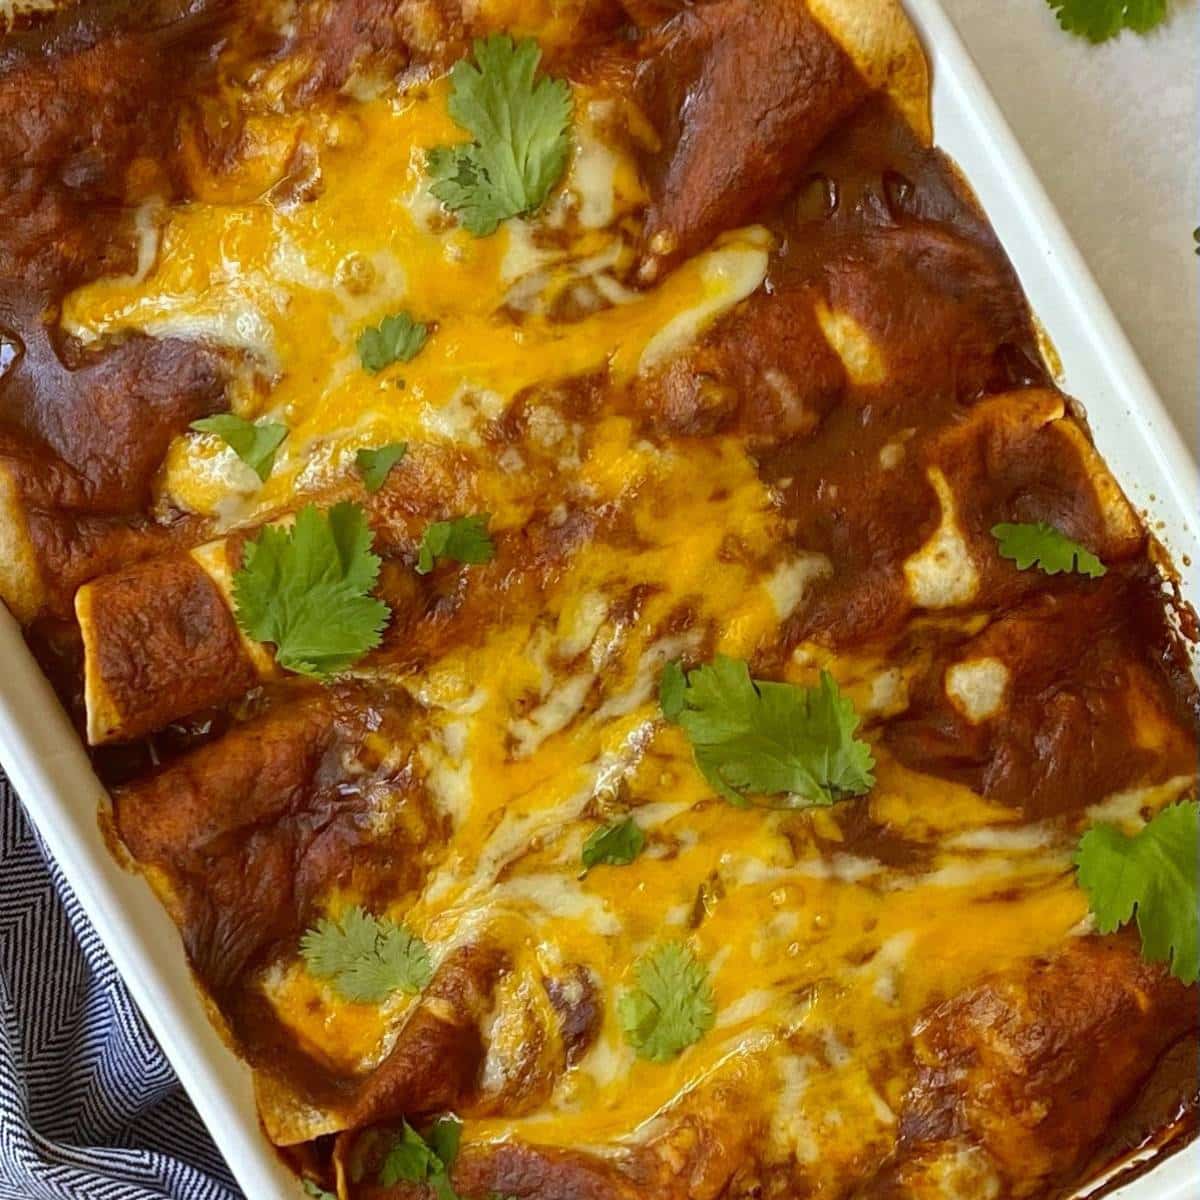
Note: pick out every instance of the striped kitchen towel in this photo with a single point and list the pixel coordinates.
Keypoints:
(89, 1106)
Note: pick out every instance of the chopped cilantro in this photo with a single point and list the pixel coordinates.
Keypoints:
(464, 539)
(1099, 20)
(616, 845)
(1155, 876)
(1053, 552)
(307, 589)
(672, 691)
(366, 958)
(374, 465)
(671, 1005)
(752, 737)
(397, 338)
(413, 1159)
(254, 442)
(520, 131)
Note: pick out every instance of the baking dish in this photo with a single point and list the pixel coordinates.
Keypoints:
(1131, 430)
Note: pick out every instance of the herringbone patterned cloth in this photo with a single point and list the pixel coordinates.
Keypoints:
(89, 1106)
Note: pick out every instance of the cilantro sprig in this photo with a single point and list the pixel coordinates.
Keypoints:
(374, 464)
(254, 442)
(520, 130)
(414, 1159)
(366, 958)
(307, 590)
(671, 1005)
(463, 539)
(397, 338)
(1099, 20)
(751, 737)
(1046, 547)
(1154, 877)
(615, 845)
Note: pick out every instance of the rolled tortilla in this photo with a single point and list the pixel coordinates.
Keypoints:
(742, 92)
(881, 42)
(161, 642)
(21, 586)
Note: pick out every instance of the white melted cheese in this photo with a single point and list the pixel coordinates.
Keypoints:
(592, 179)
(942, 573)
(860, 356)
(561, 707)
(790, 581)
(730, 273)
(1129, 809)
(559, 896)
(976, 687)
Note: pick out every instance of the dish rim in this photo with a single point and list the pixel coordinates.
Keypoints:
(48, 766)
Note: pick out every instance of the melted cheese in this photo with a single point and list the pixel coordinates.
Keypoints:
(942, 574)
(821, 959)
(292, 286)
(976, 687)
(852, 344)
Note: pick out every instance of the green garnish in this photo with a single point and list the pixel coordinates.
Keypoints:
(755, 738)
(671, 1006)
(1154, 875)
(314, 1189)
(464, 539)
(413, 1159)
(397, 338)
(672, 691)
(1099, 20)
(374, 465)
(615, 845)
(254, 442)
(1043, 545)
(520, 131)
(307, 589)
(366, 958)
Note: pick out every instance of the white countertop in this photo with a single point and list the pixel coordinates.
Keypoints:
(1114, 133)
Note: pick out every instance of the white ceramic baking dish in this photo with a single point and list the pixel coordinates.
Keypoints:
(48, 766)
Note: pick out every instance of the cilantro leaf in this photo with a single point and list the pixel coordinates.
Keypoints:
(751, 737)
(253, 442)
(366, 958)
(307, 590)
(375, 464)
(1156, 875)
(408, 1160)
(672, 690)
(314, 1189)
(617, 844)
(412, 1159)
(465, 539)
(520, 131)
(1099, 20)
(1052, 551)
(672, 1005)
(397, 338)
(445, 1137)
